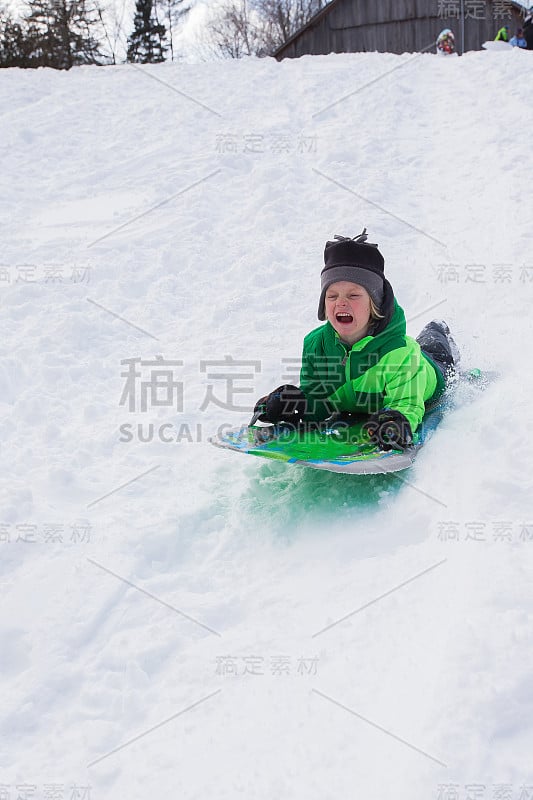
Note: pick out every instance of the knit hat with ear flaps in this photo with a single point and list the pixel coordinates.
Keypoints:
(352, 260)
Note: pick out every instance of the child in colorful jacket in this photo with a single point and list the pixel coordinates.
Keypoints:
(503, 34)
(360, 363)
(518, 39)
(446, 42)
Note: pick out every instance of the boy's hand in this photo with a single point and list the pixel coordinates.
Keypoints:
(389, 430)
(287, 403)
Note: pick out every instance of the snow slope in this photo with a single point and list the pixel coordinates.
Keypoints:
(166, 606)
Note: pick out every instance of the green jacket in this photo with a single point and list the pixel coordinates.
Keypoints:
(384, 370)
(502, 35)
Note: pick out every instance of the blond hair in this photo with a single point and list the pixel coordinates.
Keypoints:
(374, 312)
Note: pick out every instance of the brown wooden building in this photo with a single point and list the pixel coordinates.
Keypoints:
(399, 26)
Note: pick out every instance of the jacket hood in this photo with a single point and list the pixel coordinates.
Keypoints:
(387, 309)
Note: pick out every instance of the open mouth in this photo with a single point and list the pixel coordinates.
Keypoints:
(344, 318)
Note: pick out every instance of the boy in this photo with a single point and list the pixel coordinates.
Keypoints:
(360, 362)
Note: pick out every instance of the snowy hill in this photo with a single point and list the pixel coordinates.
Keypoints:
(182, 622)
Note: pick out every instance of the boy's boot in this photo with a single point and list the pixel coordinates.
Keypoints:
(437, 342)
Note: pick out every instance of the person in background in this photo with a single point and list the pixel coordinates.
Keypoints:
(446, 42)
(528, 29)
(518, 39)
(503, 34)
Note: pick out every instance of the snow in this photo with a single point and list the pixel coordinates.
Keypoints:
(181, 211)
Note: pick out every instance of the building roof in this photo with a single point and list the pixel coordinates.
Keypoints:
(327, 8)
(314, 19)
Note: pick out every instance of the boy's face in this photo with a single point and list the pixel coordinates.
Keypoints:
(348, 310)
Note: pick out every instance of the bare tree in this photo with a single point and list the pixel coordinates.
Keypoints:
(15, 50)
(282, 18)
(257, 27)
(173, 11)
(231, 31)
(114, 39)
(289, 15)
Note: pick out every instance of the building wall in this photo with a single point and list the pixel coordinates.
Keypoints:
(395, 26)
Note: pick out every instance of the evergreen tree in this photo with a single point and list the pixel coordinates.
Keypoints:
(63, 33)
(146, 45)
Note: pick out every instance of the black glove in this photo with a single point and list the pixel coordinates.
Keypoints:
(389, 430)
(285, 404)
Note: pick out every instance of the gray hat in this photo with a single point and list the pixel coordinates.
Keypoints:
(356, 261)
